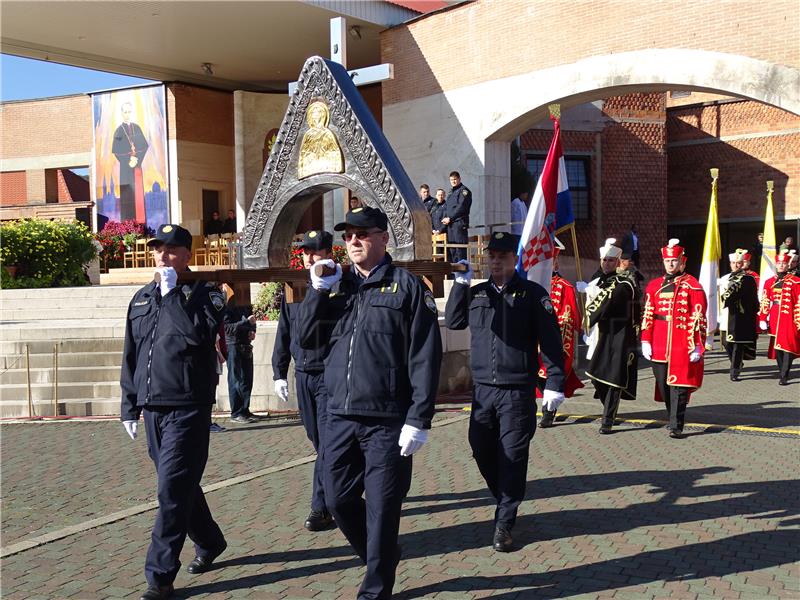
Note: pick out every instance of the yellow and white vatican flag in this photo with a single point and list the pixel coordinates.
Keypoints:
(709, 269)
(769, 246)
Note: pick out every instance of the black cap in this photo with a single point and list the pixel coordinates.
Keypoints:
(625, 255)
(172, 235)
(505, 242)
(365, 217)
(316, 240)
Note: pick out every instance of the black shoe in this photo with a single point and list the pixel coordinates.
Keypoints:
(318, 520)
(734, 375)
(201, 565)
(257, 417)
(548, 416)
(783, 381)
(605, 428)
(502, 541)
(158, 592)
(676, 434)
(242, 419)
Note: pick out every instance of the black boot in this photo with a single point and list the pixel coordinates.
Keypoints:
(548, 416)
(502, 541)
(157, 592)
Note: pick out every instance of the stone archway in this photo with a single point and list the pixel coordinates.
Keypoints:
(361, 159)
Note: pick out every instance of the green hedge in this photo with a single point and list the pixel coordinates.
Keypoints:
(45, 253)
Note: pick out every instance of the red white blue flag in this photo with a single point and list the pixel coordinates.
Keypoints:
(550, 212)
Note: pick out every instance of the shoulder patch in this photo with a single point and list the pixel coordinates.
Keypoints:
(464, 193)
(430, 302)
(217, 299)
(548, 306)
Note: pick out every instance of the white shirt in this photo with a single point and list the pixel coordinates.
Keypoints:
(519, 212)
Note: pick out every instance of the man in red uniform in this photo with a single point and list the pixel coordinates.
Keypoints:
(780, 315)
(565, 305)
(746, 258)
(674, 333)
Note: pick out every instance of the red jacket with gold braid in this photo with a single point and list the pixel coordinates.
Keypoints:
(674, 324)
(565, 304)
(780, 307)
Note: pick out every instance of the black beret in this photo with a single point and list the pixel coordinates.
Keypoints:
(505, 242)
(364, 217)
(316, 240)
(172, 235)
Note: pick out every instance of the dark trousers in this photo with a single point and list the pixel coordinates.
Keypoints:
(609, 396)
(784, 362)
(735, 352)
(177, 441)
(501, 427)
(312, 400)
(676, 398)
(362, 458)
(240, 378)
(457, 234)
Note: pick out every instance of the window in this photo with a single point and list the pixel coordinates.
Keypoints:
(577, 179)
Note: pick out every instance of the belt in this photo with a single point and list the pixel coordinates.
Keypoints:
(662, 317)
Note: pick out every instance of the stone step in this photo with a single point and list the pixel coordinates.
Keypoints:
(60, 302)
(64, 312)
(11, 350)
(18, 392)
(65, 359)
(72, 408)
(70, 293)
(80, 374)
(64, 329)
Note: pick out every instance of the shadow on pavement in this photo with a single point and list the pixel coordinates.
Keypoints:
(767, 413)
(734, 554)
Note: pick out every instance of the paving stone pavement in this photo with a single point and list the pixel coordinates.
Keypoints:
(630, 515)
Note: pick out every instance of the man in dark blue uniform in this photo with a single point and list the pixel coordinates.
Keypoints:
(240, 331)
(510, 320)
(381, 372)
(169, 374)
(456, 217)
(311, 393)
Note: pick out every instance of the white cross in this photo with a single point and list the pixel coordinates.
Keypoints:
(365, 76)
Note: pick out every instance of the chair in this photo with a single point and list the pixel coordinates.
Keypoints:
(199, 254)
(477, 255)
(142, 257)
(439, 241)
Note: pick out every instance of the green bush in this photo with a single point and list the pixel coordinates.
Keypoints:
(46, 253)
(267, 303)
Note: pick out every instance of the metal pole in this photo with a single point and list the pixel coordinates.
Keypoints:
(28, 368)
(55, 380)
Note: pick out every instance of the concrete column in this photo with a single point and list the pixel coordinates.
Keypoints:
(36, 187)
(241, 200)
(496, 185)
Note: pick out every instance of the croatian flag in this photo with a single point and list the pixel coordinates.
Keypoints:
(549, 213)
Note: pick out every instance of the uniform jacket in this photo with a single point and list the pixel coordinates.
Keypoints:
(740, 298)
(385, 348)
(437, 214)
(674, 324)
(457, 207)
(565, 305)
(616, 311)
(780, 308)
(287, 346)
(169, 356)
(507, 329)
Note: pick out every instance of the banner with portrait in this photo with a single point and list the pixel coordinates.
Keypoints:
(129, 166)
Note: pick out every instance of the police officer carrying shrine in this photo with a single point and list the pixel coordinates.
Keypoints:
(510, 320)
(381, 373)
(309, 378)
(169, 375)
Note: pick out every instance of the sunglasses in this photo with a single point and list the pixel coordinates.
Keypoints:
(361, 234)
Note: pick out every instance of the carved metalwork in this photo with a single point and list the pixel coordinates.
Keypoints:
(370, 168)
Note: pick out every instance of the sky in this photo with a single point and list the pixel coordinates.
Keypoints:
(24, 78)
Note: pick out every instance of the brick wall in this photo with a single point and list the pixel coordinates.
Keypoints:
(766, 146)
(13, 189)
(46, 127)
(72, 187)
(492, 39)
(201, 115)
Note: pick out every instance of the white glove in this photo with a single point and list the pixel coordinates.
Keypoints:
(762, 325)
(581, 286)
(325, 282)
(551, 400)
(167, 279)
(411, 439)
(282, 389)
(696, 354)
(466, 277)
(130, 428)
(592, 290)
(647, 350)
(587, 339)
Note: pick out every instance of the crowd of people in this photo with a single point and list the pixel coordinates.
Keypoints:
(367, 351)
